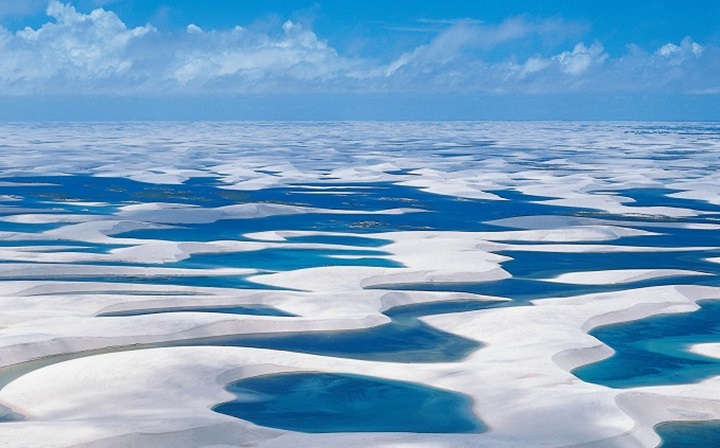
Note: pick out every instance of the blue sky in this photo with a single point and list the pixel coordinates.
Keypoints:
(396, 59)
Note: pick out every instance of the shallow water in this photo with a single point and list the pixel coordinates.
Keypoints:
(330, 402)
(409, 341)
(405, 339)
(653, 351)
(284, 259)
(8, 415)
(689, 434)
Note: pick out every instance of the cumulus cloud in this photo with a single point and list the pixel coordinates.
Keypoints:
(96, 53)
(679, 54)
(581, 58)
(241, 53)
(686, 67)
(76, 48)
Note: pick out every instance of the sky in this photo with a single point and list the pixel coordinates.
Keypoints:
(342, 59)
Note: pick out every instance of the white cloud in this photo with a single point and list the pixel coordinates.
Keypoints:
(685, 68)
(533, 65)
(76, 47)
(469, 36)
(192, 28)
(686, 48)
(96, 53)
(244, 60)
(668, 50)
(581, 58)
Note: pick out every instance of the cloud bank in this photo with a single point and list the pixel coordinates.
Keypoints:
(96, 53)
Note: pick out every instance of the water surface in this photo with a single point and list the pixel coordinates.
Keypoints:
(654, 351)
(689, 434)
(331, 402)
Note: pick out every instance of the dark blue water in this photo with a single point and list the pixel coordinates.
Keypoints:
(411, 342)
(658, 197)
(536, 265)
(28, 227)
(60, 245)
(199, 280)
(689, 434)
(404, 339)
(434, 308)
(439, 213)
(331, 402)
(62, 191)
(527, 267)
(674, 237)
(671, 230)
(54, 194)
(252, 310)
(523, 290)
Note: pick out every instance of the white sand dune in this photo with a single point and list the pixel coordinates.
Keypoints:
(83, 380)
(613, 277)
(550, 339)
(537, 400)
